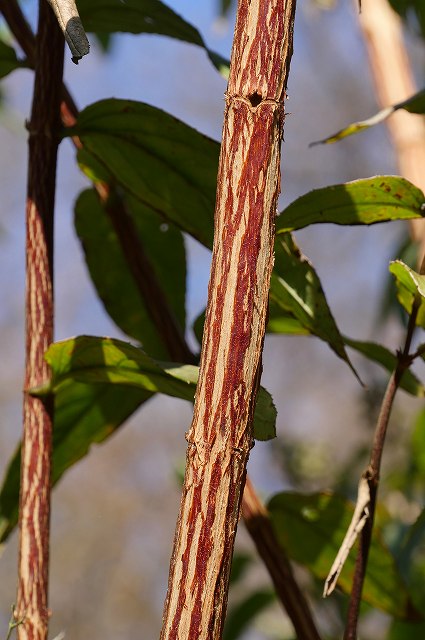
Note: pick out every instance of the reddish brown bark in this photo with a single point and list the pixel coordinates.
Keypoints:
(220, 436)
(258, 523)
(32, 603)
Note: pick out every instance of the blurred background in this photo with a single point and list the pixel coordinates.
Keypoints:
(114, 513)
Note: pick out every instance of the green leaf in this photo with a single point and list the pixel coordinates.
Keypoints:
(84, 414)
(164, 260)
(162, 162)
(388, 360)
(295, 288)
(414, 104)
(311, 528)
(241, 616)
(281, 321)
(143, 16)
(368, 201)
(92, 360)
(410, 287)
(9, 60)
(240, 565)
(406, 630)
(98, 383)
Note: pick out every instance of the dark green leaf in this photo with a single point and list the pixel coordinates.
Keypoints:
(369, 201)
(410, 287)
(241, 615)
(281, 321)
(166, 165)
(164, 261)
(84, 414)
(383, 356)
(9, 60)
(295, 288)
(98, 383)
(142, 16)
(414, 104)
(414, 538)
(240, 564)
(311, 528)
(92, 360)
(406, 630)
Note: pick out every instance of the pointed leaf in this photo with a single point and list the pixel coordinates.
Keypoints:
(142, 16)
(414, 104)
(168, 166)
(410, 287)
(164, 255)
(9, 60)
(84, 414)
(311, 529)
(369, 201)
(295, 288)
(92, 360)
(387, 359)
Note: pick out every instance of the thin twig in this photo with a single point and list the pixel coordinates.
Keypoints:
(257, 522)
(372, 476)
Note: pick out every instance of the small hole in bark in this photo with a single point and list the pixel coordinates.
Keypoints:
(255, 99)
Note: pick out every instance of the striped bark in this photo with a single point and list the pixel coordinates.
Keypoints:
(32, 599)
(220, 436)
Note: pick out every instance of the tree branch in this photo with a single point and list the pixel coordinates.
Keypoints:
(34, 509)
(372, 476)
(258, 524)
(221, 432)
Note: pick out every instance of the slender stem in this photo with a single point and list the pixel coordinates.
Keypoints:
(372, 475)
(258, 524)
(38, 414)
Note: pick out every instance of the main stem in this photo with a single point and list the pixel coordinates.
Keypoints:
(220, 436)
(32, 599)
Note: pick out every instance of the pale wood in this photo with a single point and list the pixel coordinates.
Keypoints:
(220, 436)
(394, 82)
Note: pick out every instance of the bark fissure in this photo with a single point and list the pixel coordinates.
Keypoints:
(220, 436)
(32, 598)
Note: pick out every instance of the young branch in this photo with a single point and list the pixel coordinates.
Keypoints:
(220, 436)
(34, 510)
(258, 524)
(371, 475)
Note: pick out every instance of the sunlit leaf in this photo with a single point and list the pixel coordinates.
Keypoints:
(84, 414)
(368, 201)
(160, 251)
(388, 360)
(414, 104)
(410, 287)
(162, 162)
(143, 16)
(311, 529)
(296, 288)
(92, 360)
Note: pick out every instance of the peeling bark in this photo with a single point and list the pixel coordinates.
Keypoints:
(220, 436)
(32, 599)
